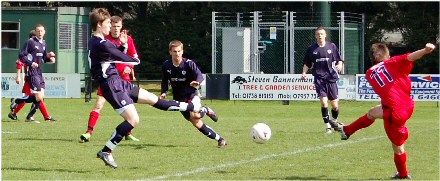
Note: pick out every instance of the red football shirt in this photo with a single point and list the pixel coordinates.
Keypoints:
(131, 51)
(19, 64)
(390, 80)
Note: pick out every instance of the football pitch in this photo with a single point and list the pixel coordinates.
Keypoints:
(170, 148)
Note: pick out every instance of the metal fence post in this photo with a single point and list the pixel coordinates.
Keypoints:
(342, 39)
(254, 47)
(214, 44)
(88, 88)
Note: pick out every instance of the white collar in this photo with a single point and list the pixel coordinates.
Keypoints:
(39, 40)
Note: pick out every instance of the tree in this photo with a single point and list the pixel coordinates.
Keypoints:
(418, 26)
(154, 24)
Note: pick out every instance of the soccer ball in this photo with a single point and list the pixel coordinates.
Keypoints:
(261, 133)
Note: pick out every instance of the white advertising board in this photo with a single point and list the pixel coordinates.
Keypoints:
(347, 87)
(271, 87)
(57, 85)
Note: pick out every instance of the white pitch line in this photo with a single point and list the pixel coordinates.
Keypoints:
(265, 157)
(9, 132)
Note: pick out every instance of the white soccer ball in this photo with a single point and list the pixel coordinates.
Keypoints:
(261, 133)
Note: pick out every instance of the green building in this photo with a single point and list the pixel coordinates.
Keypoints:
(67, 34)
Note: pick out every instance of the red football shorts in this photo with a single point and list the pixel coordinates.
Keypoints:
(395, 124)
(99, 91)
(27, 88)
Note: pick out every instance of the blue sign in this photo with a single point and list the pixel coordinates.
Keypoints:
(425, 87)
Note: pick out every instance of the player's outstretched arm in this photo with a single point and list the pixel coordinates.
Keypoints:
(116, 54)
(429, 47)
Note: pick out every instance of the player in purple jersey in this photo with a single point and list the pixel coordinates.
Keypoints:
(120, 94)
(326, 62)
(185, 77)
(33, 54)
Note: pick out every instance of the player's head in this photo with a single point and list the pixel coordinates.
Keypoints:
(125, 29)
(378, 53)
(175, 49)
(100, 20)
(40, 31)
(320, 34)
(32, 34)
(115, 30)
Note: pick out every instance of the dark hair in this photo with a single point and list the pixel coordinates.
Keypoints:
(32, 34)
(125, 28)
(98, 15)
(378, 53)
(320, 28)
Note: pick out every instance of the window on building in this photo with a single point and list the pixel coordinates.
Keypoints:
(65, 36)
(82, 36)
(10, 35)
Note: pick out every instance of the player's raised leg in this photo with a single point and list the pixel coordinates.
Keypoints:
(142, 96)
(209, 112)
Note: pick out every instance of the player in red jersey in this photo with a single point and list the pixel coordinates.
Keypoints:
(389, 78)
(117, 35)
(27, 91)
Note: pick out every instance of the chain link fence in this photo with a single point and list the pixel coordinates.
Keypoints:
(275, 42)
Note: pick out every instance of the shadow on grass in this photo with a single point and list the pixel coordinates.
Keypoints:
(45, 170)
(143, 146)
(322, 177)
(42, 139)
(10, 121)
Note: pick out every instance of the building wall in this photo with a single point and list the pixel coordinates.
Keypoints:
(67, 32)
(27, 19)
(75, 59)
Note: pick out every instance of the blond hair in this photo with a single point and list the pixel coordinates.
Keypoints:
(175, 43)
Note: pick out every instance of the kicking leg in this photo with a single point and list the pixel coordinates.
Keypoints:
(142, 96)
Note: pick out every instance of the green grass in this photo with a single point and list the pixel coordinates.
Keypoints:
(172, 149)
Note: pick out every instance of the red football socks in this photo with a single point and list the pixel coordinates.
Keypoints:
(93, 119)
(360, 123)
(44, 110)
(18, 108)
(400, 162)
